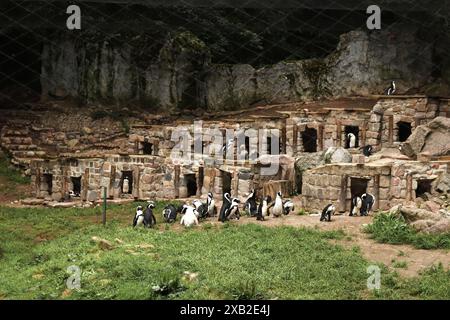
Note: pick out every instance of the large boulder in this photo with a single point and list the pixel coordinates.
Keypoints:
(337, 155)
(432, 139)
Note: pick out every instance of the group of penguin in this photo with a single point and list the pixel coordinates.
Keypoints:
(199, 210)
(360, 205)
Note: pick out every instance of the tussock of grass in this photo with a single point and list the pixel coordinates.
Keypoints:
(390, 228)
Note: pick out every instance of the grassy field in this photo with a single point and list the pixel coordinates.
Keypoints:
(246, 261)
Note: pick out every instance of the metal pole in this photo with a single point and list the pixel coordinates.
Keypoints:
(104, 205)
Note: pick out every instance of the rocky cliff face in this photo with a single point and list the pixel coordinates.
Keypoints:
(182, 75)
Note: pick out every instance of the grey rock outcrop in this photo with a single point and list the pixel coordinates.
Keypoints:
(432, 138)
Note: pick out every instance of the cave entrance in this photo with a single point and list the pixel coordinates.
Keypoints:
(358, 186)
(354, 130)
(147, 148)
(309, 140)
(47, 183)
(20, 58)
(404, 130)
(191, 184)
(299, 182)
(76, 186)
(247, 148)
(126, 182)
(423, 187)
(226, 182)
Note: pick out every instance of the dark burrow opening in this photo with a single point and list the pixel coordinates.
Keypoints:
(423, 187)
(309, 140)
(47, 178)
(226, 182)
(147, 148)
(76, 185)
(404, 130)
(191, 184)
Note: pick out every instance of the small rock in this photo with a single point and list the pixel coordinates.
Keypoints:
(102, 243)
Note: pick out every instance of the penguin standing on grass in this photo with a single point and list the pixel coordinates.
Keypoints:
(263, 209)
(278, 209)
(139, 217)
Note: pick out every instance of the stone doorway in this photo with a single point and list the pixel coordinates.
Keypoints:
(191, 184)
(126, 182)
(355, 131)
(404, 130)
(309, 140)
(76, 186)
(226, 182)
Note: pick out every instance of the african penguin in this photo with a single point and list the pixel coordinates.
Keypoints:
(327, 212)
(367, 150)
(351, 140)
(170, 213)
(263, 208)
(356, 206)
(201, 209)
(149, 217)
(139, 217)
(391, 89)
(288, 206)
(368, 200)
(211, 204)
(278, 206)
(189, 218)
(251, 205)
(225, 206)
(233, 211)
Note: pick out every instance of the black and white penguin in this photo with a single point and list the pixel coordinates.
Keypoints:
(226, 203)
(288, 206)
(367, 150)
(251, 205)
(356, 206)
(211, 204)
(368, 200)
(327, 212)
(227, 148)
(351, 138)
(189, 217)
(149, 217)
(138, 217)
(170, 213)
(233, 211)
(263, 208)
(391, 89)
(201, 209)
(278, 209)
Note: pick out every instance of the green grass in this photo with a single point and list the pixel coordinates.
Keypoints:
(9, 174)
(246, 261)
(390, 228)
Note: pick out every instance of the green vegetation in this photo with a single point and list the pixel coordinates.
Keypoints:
(11, 179)
(230, 261)
(391, 228)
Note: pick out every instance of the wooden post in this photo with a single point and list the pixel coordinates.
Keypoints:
(104, 206)
(112, 180)
(391, 130)
(37, 183)
(136, 176)
(339, 133)
(362, 143)
(176, 181)
(320, 137)
(409, 189)
(235, 182)
(343, 194)
(85, 185)
(376, 191)
(200, 177)
(283, 138)
(295, 138)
